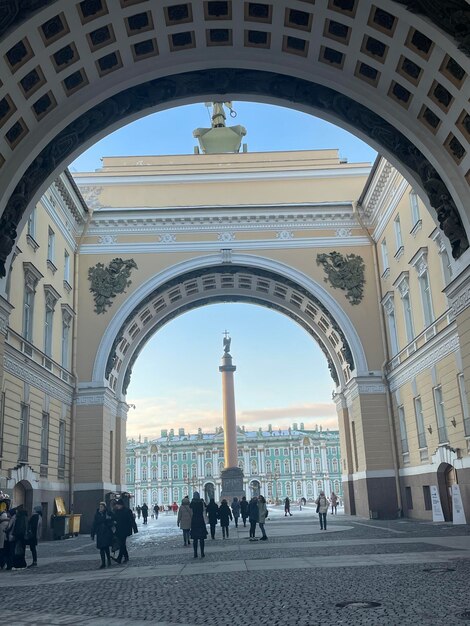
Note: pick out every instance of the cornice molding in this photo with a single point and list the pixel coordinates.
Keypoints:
(363, 386)
(101, 397)
(458, 292)
(32, 374)
(212, 246)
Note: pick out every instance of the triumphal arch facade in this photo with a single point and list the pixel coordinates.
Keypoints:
(394, 73)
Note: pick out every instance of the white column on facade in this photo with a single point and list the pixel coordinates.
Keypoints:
(324, 458)
(215, 460)
(302, 459)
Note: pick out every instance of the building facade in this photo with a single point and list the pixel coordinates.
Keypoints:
(289, 463)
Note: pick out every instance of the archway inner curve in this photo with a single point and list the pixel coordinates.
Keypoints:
(229, 283)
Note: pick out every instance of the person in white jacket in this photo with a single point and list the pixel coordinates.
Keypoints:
(322, 503)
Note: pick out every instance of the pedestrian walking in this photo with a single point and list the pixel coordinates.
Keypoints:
(185, 515)
(145, 512)
(244, 509)
(102, 529)
(262, 515)
(212, 511)
(34, 533)
(236, 511)
(156, 510)
(225, 516)
(174, 508)
(334, 503)
(198, 524)
(125, 526)
(138, 509)
(17, 529)
(287, 507)
(323, 504)
(253, 516)
(4, 521)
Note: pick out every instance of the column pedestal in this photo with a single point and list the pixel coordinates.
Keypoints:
(232, 484)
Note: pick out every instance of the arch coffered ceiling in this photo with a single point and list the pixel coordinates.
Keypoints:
(71, 71)
(210, 280)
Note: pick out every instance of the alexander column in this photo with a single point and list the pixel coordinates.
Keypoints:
(232, 475)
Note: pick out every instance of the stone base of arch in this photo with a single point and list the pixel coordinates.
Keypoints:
(100, 441)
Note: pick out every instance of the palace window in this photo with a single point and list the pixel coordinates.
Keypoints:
(220, 453)
(208, 469)
(154, 458)
(253, 452)
(288, 489)
(286, 451)
(208, 454)
(154, 496)
(269, 466)
(415, 217)
(270, 490)
(296, 451)
(276, 451)
(240, 452)
(154, 473)
(298, 488)
(398, 237)
(66, 325)
(175, 456)
(45, 439)
(165, 472)
(383, 247)
(286, 466)
(23, 429)
(193, 470)
(420, 423)
(31, 279)
(175, 472)
(254, 467)
(277, 466)
(403, 434)
(334, 465)
(32, 223)
(193, 456)
(144, 473)
(165, 495)
(317, 465)
(297, 466)
(183, 456)
(50, 245)
(144, 458)
(185, 472)
(308, 466)
(440, 415)
(389, 307)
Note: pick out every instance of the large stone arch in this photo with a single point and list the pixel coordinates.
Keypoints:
(206, 280)
(74, 71)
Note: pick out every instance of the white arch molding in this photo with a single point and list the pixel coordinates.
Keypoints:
(245, 260)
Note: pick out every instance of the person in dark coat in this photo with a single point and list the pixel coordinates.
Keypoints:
(17, 529)
(125, 526)
(244, 509)
(156, 510)
(198, 524)
(287, 507)
(145, 512)
(103, 530)
(35, 529)
(236, 511)
(253, 516)
(212, 510)
(225, 516)
(138, 511)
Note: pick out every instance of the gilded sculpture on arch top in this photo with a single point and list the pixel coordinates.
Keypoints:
(344, 272)
(108, 281)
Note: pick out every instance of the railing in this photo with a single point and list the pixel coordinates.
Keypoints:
(23, 454)
(22, 345)
(440, 324)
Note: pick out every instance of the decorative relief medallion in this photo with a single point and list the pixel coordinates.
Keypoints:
(107, 282)
(285, 234)
(166, 238)
(105, 240)
(344, 272)
(226, 237)
(91, 195)
(343, 232)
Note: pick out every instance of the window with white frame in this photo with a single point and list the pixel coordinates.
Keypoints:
(154, 496)
(286, 466)
(154, 458)
(270, 490)
(61, 462)
(277, 466)
(165, 472)
(193, 456)
(144, 473)
(298, 488)
(176, 494)
(51, 297)
(420, 263)
(464, 404)
(385, 262)
(185, 472)
(253, 452)
(440, 414)
(175, 472)
(154, 473)
(403, 433)
(309, 489)
(317, 465)
(50, 245)
(254, 467)
(165, 495)
(269, 467)
(297, 466)
(288, 489)
(397, 229)
(208, 469)
(308, 466)
(415, 217)
(286, 451)
(23, 432)
(66, 266)
(276, 451)
(389, 307)
(31, 279)
(66, 326)
(45, 438)
(208, 454)
(193, 470)
(267, 452)
(32, 223)
(175, 456)
(420, 422)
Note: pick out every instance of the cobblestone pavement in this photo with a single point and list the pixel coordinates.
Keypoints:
(412, 573)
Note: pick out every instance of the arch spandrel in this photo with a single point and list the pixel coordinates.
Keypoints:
(206, 280)
(423, 122)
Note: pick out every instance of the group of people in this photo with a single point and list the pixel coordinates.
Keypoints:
(144, 510)
(16, 532)
(112, 527)
(194, 528)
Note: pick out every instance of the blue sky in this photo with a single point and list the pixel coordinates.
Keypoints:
(282, 376)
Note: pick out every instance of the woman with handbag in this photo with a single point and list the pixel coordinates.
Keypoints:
(185, 515)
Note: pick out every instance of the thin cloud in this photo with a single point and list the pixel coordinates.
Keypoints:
(151, 415)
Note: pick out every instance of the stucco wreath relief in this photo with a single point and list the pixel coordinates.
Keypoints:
(107, 282)
(344, 272)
